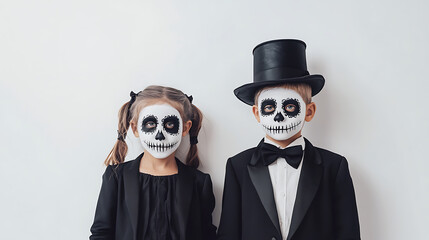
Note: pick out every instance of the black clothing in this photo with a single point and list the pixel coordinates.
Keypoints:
(269, 154)
(117, 212)
(157, 207)
(325, 205)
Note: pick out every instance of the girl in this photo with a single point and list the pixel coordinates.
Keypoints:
(155, 196)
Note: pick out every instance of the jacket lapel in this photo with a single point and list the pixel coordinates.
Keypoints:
(184, 188)
(261, 180)
(132, 191)
(308, 185)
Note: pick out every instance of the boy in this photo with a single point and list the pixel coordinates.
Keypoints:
(285, 188)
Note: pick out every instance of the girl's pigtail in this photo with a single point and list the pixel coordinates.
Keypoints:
(192, 157)
(119, 151)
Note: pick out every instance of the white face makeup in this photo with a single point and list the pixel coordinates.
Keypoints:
(160, 129)
(282, 112)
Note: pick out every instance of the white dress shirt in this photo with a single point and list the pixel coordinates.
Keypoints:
(284, 179)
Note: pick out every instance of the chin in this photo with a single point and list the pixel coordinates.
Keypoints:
(281, 138)
(284, 137)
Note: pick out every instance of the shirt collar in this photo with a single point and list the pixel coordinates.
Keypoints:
(299, 141)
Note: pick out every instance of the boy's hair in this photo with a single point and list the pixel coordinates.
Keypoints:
(302, 89)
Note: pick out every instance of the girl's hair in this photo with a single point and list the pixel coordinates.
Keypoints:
(174, 97)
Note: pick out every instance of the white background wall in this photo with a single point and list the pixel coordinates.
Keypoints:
(66, 67)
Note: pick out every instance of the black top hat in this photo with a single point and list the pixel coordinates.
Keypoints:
(277, 62)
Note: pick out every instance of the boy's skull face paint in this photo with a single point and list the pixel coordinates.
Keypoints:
(160, 129)
(282, 112)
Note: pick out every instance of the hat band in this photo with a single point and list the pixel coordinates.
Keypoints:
(279, 73)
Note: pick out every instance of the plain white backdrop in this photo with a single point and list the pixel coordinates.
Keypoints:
(66, 67)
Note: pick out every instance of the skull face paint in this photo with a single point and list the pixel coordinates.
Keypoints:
(160, 129)
(282, 112)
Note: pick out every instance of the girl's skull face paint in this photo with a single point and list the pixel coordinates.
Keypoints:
(160, 129)
(282, 112)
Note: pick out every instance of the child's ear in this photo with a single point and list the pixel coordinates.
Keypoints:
(310, 111)
(186, 127)
(134, 128)
(256, 112)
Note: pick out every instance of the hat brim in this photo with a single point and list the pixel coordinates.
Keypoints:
(246, 93)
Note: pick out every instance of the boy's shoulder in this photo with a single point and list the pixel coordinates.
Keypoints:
(328, 154)
(242, 158)
(329, 158)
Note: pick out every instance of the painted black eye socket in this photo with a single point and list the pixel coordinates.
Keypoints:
(171, 124)
(268, 106)
(149, 124)
(291, 107)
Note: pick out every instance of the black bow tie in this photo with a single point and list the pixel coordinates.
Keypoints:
(270, 153)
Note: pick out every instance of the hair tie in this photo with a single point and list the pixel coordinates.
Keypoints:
(193, 140)
(133, 96)
(190, 98)
(121, 136)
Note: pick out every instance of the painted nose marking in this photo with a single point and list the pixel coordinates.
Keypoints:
(279, 117)
(159, 136)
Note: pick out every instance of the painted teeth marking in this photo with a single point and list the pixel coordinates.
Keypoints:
(161, 147)
(281, 129)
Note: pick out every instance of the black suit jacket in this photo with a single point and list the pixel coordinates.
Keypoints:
(116, 215)
(325, 205)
